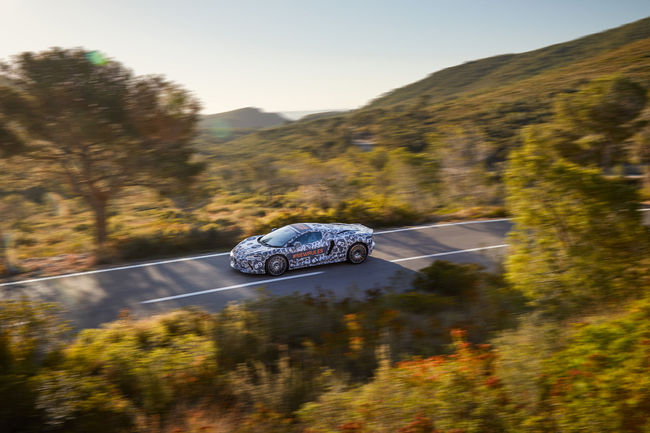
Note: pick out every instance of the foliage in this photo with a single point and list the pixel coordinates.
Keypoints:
(601, 378)
(458, 392)
(32, 337)
(98, 128)
(151, 363)
(590, 375)
(174, 242)
(602, 113)
(578, 238)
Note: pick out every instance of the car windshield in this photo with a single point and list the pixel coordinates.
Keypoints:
(279, 237)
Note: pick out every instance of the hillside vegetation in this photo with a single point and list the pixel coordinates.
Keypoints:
(486, 74)
(422, 159)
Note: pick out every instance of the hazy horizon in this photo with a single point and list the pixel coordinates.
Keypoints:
(295, 57)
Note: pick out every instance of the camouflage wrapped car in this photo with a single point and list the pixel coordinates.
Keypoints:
(302, 245)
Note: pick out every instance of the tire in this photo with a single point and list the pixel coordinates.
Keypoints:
(357, 253)
(276, 265)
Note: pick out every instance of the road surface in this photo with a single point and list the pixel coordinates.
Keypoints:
(96, 297)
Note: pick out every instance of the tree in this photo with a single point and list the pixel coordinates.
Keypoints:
(578, 237)
(601, 116)
(98, 128)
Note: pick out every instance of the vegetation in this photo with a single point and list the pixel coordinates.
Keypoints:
(578, 237)
(94, 126)
(479, 75)
(557, 341)
(418, 160)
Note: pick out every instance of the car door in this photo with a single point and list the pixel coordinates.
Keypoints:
(308, 249)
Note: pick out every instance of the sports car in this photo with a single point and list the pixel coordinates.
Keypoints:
(302, 245)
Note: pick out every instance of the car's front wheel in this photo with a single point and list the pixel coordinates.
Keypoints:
(357, 253)
(276, 265)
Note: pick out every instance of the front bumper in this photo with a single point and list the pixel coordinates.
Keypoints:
(247, 266)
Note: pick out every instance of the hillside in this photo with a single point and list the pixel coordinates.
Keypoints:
(244, 118)
(508, 68)
(495, 111)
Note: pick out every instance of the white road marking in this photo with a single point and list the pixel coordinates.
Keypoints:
(291, 277)
(449, 253)
(236, 286)
(162, 262)
(441, 225)
(120, 268)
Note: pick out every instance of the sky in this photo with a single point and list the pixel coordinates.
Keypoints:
(292, 55)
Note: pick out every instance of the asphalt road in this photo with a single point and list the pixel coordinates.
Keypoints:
(96, 297)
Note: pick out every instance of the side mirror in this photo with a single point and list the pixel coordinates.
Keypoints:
(296, 244)
(274, 229)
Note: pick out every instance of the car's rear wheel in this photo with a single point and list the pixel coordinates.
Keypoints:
(276, 265)
(357, 253)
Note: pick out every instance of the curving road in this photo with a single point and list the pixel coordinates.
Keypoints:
(95, 297)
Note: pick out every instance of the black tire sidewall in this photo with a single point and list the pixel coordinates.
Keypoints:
(364, 257)
(268, 261)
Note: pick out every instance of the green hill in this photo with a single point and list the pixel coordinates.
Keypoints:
(504, 69)
(238, 122)
(493, 97)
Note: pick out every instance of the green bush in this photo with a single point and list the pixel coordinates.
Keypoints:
(450, 279)
(162, 244)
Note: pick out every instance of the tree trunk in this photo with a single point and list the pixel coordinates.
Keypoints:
(99, 209)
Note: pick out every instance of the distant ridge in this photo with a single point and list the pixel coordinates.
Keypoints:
(311, 114)
(492, 72)
(248, 118)
(490, 99)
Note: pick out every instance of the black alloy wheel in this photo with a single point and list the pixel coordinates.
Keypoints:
(357, 253)
(276, 265)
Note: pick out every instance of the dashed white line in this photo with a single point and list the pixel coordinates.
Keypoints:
(184, 259)
(449, 253)
(236, 286)
(441, 225)
(120, 268)
(291, 277)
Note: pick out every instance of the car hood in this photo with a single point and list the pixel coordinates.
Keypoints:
(251, 246)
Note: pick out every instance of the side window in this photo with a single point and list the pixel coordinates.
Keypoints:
(303, 238)
(308, 238)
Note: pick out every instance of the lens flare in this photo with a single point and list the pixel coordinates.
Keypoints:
(96, 58)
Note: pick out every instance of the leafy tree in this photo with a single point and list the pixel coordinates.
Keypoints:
(577, 237)
(97, 127)
(601, 115)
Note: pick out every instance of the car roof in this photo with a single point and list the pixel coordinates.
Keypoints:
(336, 227)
